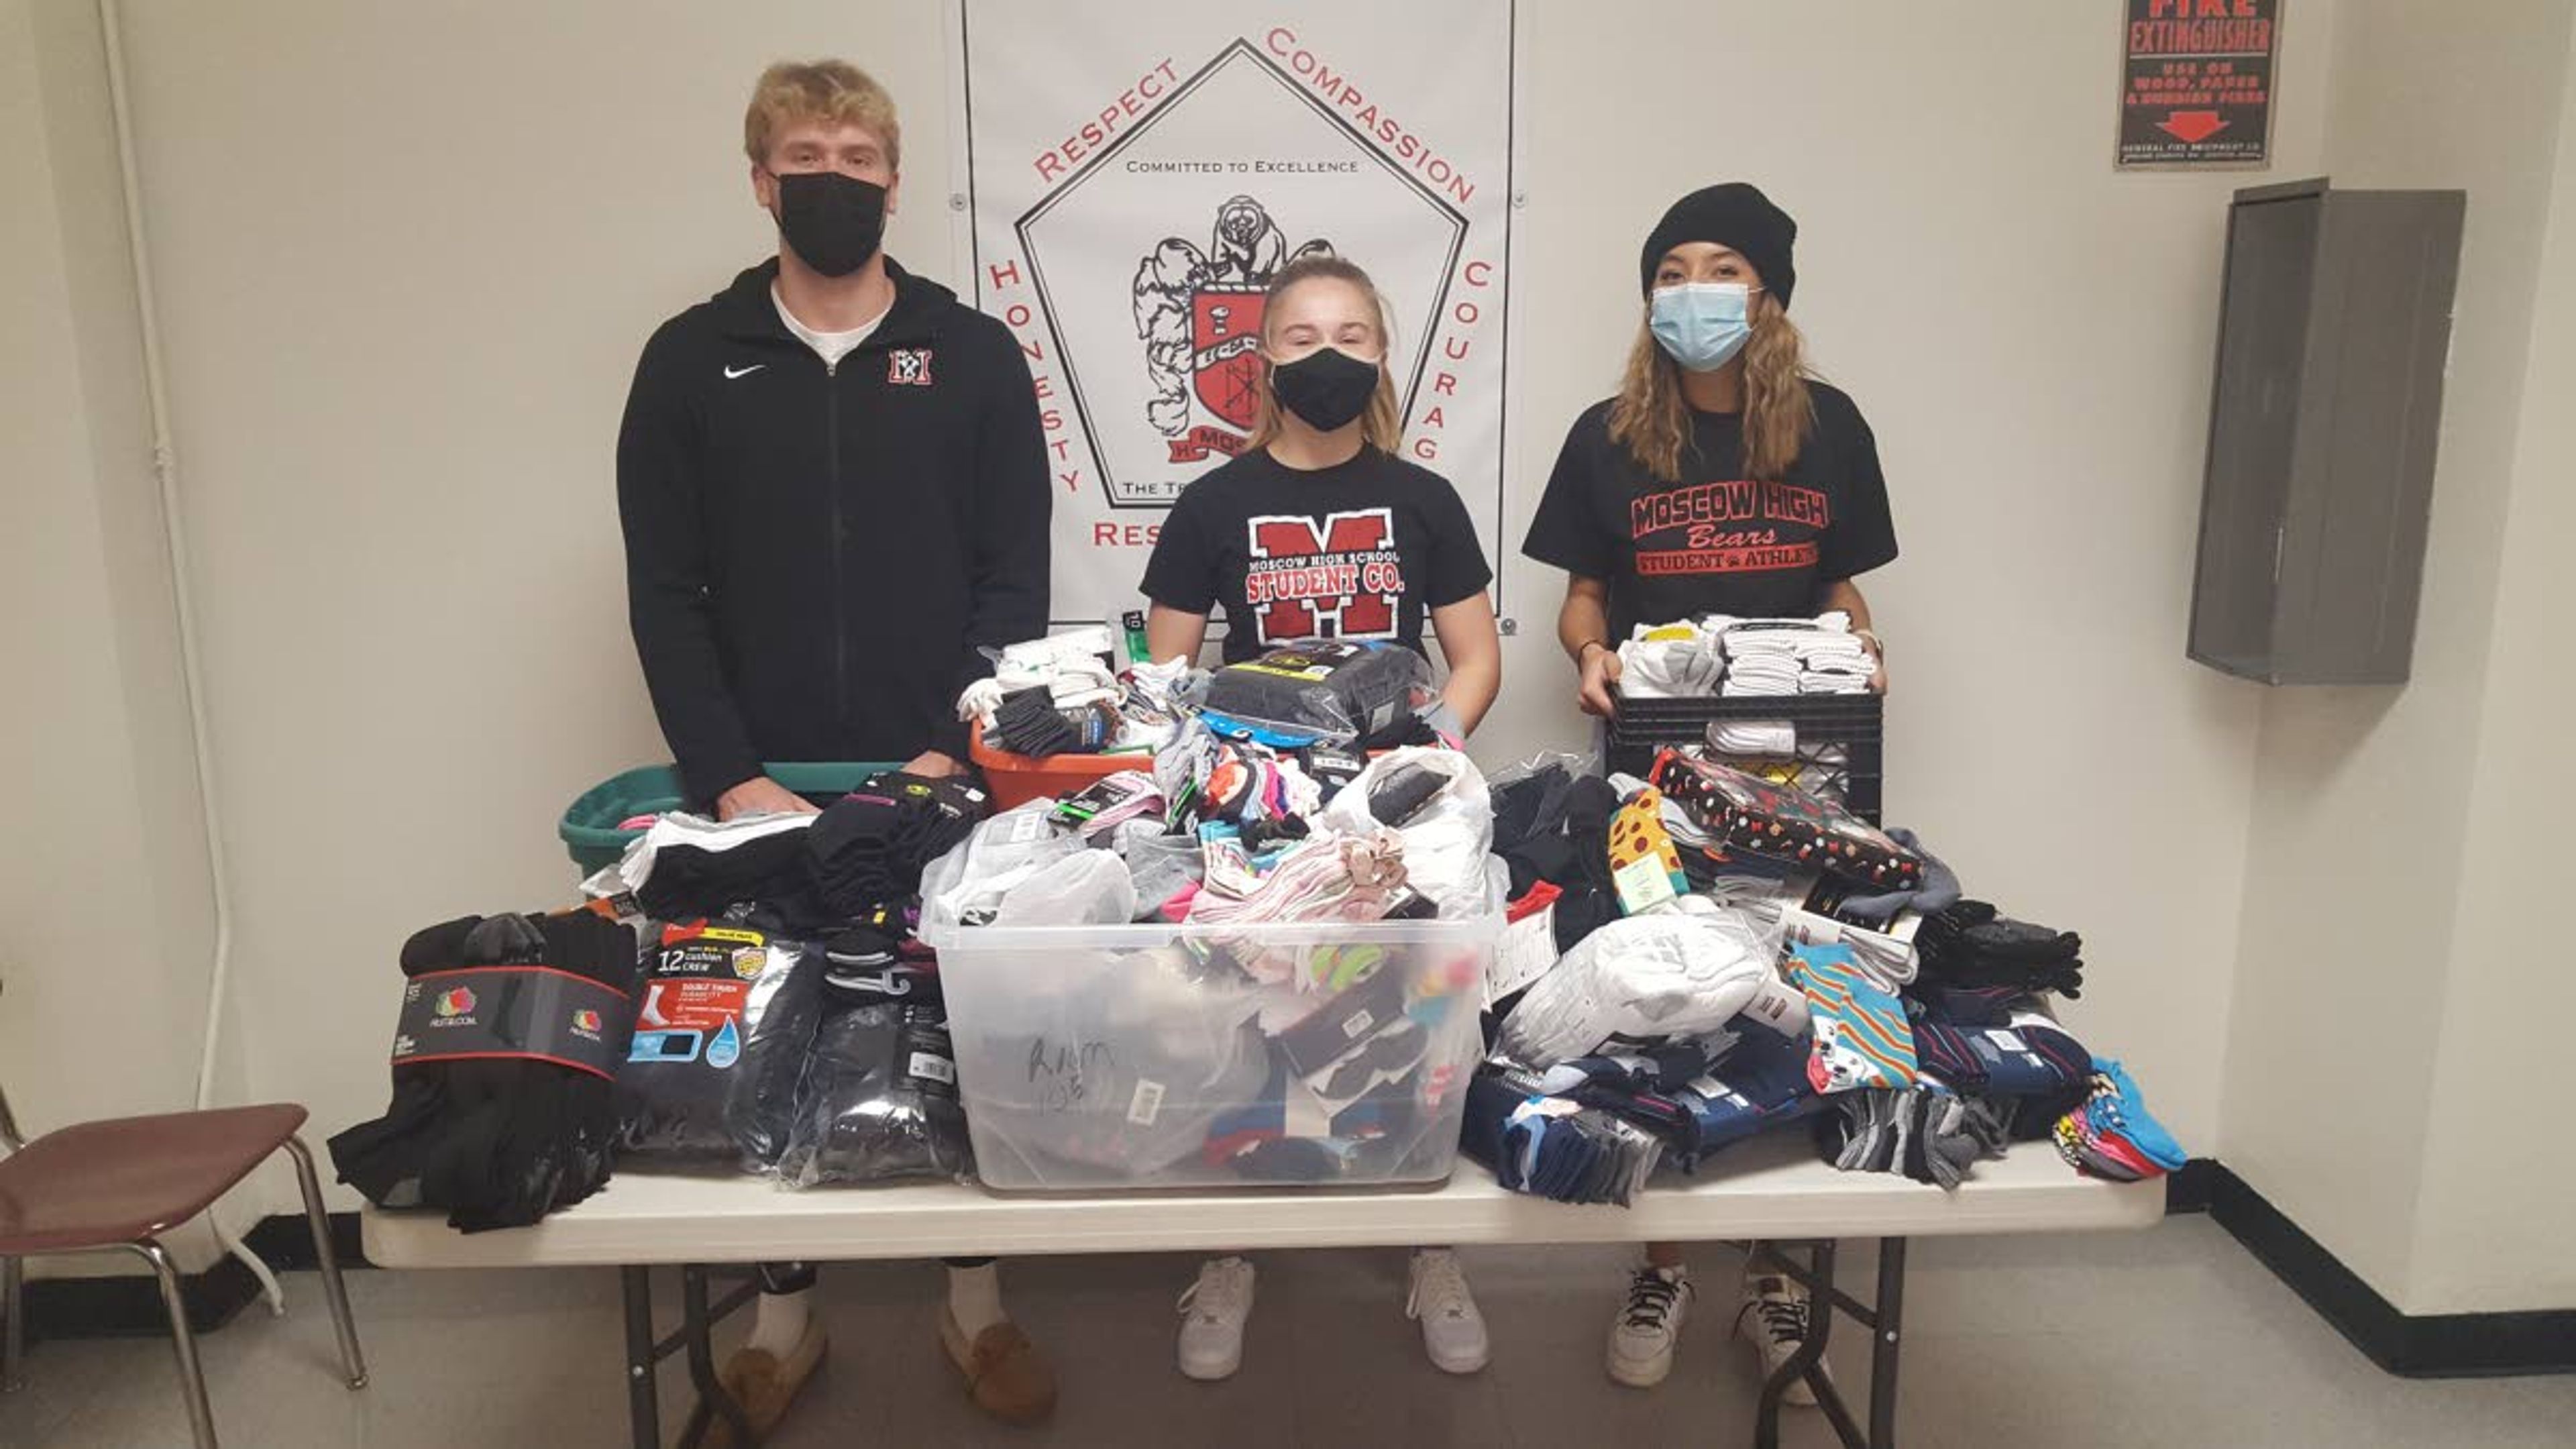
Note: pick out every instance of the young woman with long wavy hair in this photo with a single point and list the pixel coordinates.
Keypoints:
(1724, 478)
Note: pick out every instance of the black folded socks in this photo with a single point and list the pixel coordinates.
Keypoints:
(496, 1143)
(868, 849)
(1969, 945)
(1028, 723)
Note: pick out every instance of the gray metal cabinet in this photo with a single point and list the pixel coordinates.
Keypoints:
(2332, 339)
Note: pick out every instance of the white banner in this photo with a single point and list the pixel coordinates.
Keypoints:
(1135, 177)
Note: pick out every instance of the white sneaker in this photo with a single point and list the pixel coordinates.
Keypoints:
(1453, 1330)
(1213, 1312)
(1649, 1326)
(1778, 1308)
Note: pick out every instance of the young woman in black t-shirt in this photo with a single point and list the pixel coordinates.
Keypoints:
(1318, 529)
(1723, 479)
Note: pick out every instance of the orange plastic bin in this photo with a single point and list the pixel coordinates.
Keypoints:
(1016, 780)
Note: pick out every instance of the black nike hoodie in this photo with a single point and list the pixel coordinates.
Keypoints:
(813, 556)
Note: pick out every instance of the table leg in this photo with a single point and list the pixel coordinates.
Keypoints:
(1820, 1284)
(643, 1403)
(698, 1327)
(1887, 1331)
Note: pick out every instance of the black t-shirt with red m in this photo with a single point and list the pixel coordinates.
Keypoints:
(1716, 542)
(1361, 550)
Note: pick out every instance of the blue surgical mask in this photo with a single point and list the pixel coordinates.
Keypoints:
(1702, 324)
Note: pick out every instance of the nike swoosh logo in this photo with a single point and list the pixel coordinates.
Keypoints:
(733, 372)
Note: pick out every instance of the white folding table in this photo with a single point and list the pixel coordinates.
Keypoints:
(1769, 1190)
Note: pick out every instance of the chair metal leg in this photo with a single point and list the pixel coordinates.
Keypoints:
(352, 1363)
(192, 1379)
(13, 1331)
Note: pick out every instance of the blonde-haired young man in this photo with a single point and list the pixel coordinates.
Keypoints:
(834, 489)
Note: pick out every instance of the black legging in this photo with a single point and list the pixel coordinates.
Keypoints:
(797, 1277)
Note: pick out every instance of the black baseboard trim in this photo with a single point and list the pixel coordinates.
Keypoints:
(127, 1306)
(2187, 1191)
(2438, 1345)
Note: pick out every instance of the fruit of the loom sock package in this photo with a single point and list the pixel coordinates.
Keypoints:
(496, 1142)
(1861, 1036)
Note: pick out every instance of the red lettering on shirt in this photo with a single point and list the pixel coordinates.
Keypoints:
(1668, 562)
(1335, 578)
(1741, 500)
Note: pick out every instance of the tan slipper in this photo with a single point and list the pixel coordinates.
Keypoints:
(1007, 1376)
(764, 1385)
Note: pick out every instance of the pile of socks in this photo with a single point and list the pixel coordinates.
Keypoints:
(1028, 722)
(1067, 672)
(1921, 1132)
(1795, 656)
(687, 866)
(1552, 826)
(868, 848)
(2018, 1055)
(2111, 1135)
(1552, 1148)
(496, 1143)
(1746, 1085)
(1968, 944)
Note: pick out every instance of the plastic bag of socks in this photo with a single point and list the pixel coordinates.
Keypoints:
(495, 1143)
(1754, 815)
(1644, 979)
(1334, 691)
(879, 1100)
(727, 1015)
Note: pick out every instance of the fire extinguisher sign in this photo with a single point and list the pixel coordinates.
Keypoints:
(2196, 82)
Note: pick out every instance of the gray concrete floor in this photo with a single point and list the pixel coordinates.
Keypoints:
(2172, 1336)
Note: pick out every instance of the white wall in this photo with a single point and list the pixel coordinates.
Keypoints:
(2353, 935)
(2491, 1220)
(406, 255)
(105, 917)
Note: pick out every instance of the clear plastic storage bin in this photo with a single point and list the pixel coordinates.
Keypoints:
(1198, 1056)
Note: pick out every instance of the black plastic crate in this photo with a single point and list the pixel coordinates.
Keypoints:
(1857, 722)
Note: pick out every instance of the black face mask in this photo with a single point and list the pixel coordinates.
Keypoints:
(1327, 387)
(833, 222)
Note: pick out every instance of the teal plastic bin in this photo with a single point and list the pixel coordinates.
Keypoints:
(590, 826)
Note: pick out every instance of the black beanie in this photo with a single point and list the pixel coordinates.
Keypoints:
(1735, 215)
